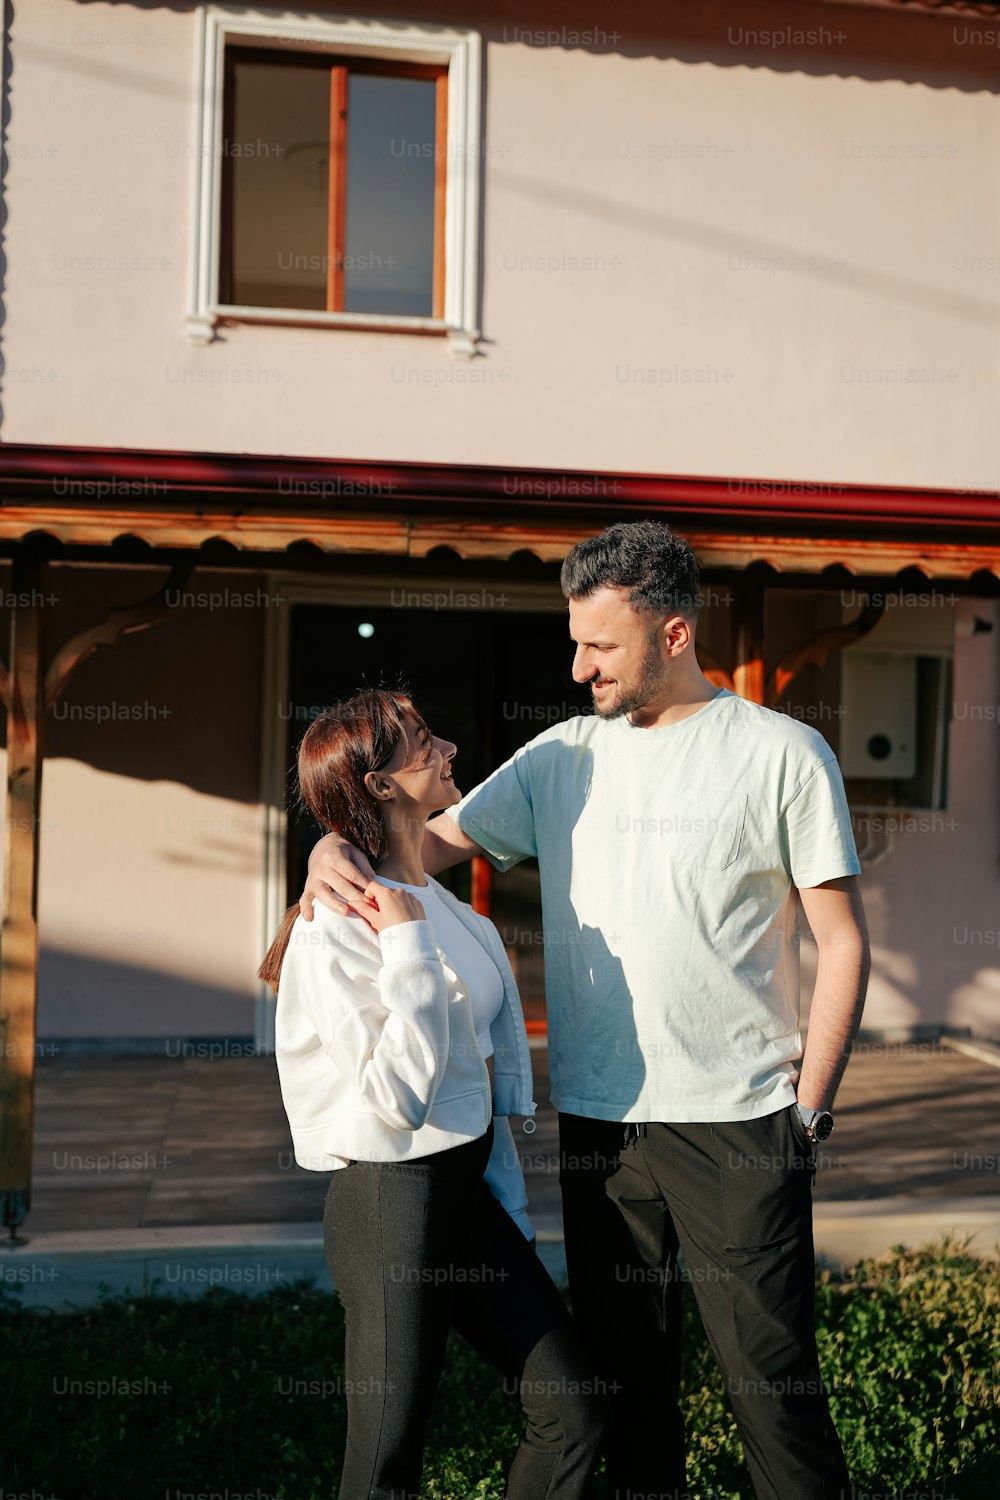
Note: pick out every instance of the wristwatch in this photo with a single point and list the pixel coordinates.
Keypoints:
(818, 1122)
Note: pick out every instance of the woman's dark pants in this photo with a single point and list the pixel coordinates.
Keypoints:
(416, 1248)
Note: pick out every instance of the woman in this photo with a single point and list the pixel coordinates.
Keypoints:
(385, 1021)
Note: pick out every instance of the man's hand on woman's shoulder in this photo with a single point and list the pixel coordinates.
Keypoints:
(337, 878)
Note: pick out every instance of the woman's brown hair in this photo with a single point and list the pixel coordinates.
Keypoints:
(338, 749)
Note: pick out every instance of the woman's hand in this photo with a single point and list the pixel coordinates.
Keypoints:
(338, 875)
(389, 906)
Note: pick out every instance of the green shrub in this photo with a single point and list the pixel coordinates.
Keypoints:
(908, 1346)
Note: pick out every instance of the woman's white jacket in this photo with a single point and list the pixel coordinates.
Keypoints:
(377, 1053)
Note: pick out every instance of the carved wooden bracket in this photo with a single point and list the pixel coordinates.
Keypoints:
(815, 652)
(121, 619)
(716, 674)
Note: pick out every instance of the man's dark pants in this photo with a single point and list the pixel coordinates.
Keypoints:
(736, 1196)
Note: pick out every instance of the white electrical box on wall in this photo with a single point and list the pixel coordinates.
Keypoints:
(878, 733)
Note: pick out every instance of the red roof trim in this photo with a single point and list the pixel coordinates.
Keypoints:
(986, 8)
(148, 479)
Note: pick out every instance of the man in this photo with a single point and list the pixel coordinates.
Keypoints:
(673, 829)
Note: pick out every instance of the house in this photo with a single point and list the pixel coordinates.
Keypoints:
(325, 337)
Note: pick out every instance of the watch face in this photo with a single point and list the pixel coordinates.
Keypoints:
(822, 1126)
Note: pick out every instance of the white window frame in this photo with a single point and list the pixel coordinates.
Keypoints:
(459, 49)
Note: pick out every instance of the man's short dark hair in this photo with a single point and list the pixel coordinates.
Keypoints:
(652, 564)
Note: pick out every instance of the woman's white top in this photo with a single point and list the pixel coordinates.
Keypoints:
(466, 954)
(376, 1042)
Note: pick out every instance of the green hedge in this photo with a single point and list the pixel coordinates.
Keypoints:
(908, 1346)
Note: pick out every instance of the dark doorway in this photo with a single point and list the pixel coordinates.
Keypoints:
(488, 678)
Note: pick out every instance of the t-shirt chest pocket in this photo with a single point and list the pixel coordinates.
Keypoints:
(709, 826)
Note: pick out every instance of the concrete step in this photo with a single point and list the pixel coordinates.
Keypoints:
(76, 1268)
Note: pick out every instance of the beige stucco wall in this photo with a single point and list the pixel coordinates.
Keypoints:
(944, 896)
(683, 163)
(683, 166)
(150, 889)
(931, 880)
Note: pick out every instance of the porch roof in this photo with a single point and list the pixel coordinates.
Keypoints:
(258, 505)
(986, 8)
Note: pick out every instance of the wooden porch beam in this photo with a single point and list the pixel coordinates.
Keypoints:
(335, 530)
(19, 946)
(748, 672)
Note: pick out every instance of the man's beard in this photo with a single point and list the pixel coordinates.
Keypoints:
(636, 694)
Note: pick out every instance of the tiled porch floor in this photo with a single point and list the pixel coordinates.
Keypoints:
(130, 1142)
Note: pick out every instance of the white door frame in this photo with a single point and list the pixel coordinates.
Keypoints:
(284, 591)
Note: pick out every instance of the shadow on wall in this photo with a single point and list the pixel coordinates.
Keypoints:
(177, 702)
(842, 40)
(874, 43)
(132, 999)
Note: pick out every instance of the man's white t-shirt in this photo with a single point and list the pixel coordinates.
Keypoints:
(668, 858)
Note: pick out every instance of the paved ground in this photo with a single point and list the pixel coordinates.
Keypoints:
(133, 1142)
(170, 1175)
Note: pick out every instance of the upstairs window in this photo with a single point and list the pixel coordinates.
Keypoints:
(336, 175)
(334, 184)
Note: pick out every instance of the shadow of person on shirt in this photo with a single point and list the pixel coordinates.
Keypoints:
(592, 1039)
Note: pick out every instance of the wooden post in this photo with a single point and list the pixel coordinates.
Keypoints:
(748, 673)
(28, 690)
(19, 945)
(482, 881)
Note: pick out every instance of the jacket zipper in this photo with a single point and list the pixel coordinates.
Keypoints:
(529, 1126)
